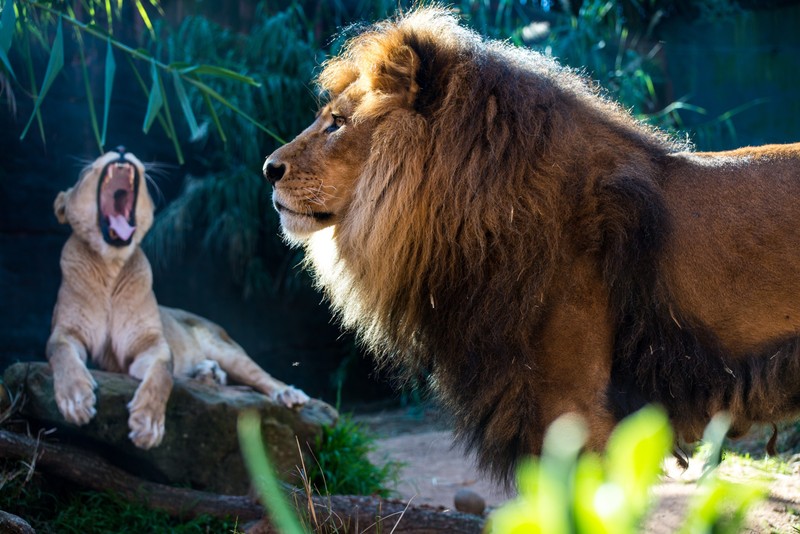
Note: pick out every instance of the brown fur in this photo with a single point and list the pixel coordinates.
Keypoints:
(106, 311)
(485, 217)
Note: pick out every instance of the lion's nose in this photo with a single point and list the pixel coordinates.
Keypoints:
(274, 171)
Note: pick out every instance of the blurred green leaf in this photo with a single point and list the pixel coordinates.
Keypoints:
(111, 68)
(145, 18)
(89, 95)
(599, 505)
(263, 475)
(721, 507)
(635, 451)
(180, 92)
(7, 63)
(713, 436)
(222, 72)
(156, 100)
(218, 97)
(215, 118)
(54, 65)
(8, 23)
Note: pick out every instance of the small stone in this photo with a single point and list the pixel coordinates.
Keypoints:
(469, 502)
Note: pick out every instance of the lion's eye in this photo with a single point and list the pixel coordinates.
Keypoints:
(338, 122)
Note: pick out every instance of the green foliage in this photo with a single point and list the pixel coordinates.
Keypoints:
(277, 53)
(565, 492)
(229, 215)
(26, 22)
(52, 509)
(342, 466)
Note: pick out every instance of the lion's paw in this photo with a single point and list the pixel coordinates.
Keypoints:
(146, 422)
(291, 396)
(75, 396)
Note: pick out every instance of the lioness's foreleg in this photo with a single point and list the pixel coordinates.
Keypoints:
(73, 383)
(242, 369)
(148, 406)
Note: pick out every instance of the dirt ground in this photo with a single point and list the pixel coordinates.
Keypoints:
(434, 469)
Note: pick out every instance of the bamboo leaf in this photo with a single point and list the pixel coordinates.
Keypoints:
(111, 68)
(32, 77)
(54, 66)
(145, 18)
(88, 88)
(7, 63)
(218, 97)
(215, 118)
(170, 124)
(8, 22)
(180, 91)
(156, 100)
(161, 120)
(221, 72)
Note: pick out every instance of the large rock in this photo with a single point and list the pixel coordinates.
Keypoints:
(200, 448)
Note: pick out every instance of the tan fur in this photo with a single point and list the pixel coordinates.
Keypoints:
(485, 217)
(106, 311)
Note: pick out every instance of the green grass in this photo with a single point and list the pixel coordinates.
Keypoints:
(341, 464)
(52, 507)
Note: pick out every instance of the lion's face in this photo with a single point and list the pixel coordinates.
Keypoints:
(314, 176)
(109, 207)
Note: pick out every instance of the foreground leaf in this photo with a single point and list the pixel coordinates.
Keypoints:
(54, 66)
(111, 68)
(156, 99)
(262, 474)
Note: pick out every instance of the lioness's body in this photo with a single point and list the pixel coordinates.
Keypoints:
(481, 215)
(106, 311)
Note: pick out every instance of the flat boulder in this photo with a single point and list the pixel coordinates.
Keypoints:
(200, 447)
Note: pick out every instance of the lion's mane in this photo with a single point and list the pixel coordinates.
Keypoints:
(468, 210)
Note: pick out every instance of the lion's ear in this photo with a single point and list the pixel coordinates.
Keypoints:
(60, 207)
(397, 73)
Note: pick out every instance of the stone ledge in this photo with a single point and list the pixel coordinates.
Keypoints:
(200, 447)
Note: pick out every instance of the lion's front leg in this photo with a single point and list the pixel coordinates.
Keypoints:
(73, 383)
(148, 406)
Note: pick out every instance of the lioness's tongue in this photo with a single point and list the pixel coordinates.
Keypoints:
(120, 225)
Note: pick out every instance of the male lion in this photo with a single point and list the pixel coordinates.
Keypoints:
(481, 214)
(106, 308)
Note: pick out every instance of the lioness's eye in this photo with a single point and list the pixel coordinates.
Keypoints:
(338, 122)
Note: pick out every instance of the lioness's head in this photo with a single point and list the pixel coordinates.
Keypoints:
(109, 207)
(379, 90)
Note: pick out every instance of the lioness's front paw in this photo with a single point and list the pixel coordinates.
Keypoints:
(147, 428)
(291, 396)
(75, 397)
(146, 419)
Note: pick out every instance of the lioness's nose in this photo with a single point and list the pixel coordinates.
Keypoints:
(274, 170)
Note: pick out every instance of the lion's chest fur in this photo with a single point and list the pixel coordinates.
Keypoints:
(108, 305)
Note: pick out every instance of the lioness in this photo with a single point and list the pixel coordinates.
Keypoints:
(485, 216)
(106, 308)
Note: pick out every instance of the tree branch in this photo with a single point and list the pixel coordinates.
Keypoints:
(339, 513)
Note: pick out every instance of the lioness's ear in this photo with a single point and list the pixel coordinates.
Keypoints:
(397, 73)
(60, 207)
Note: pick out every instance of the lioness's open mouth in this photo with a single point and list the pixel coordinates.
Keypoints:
(116, 202)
